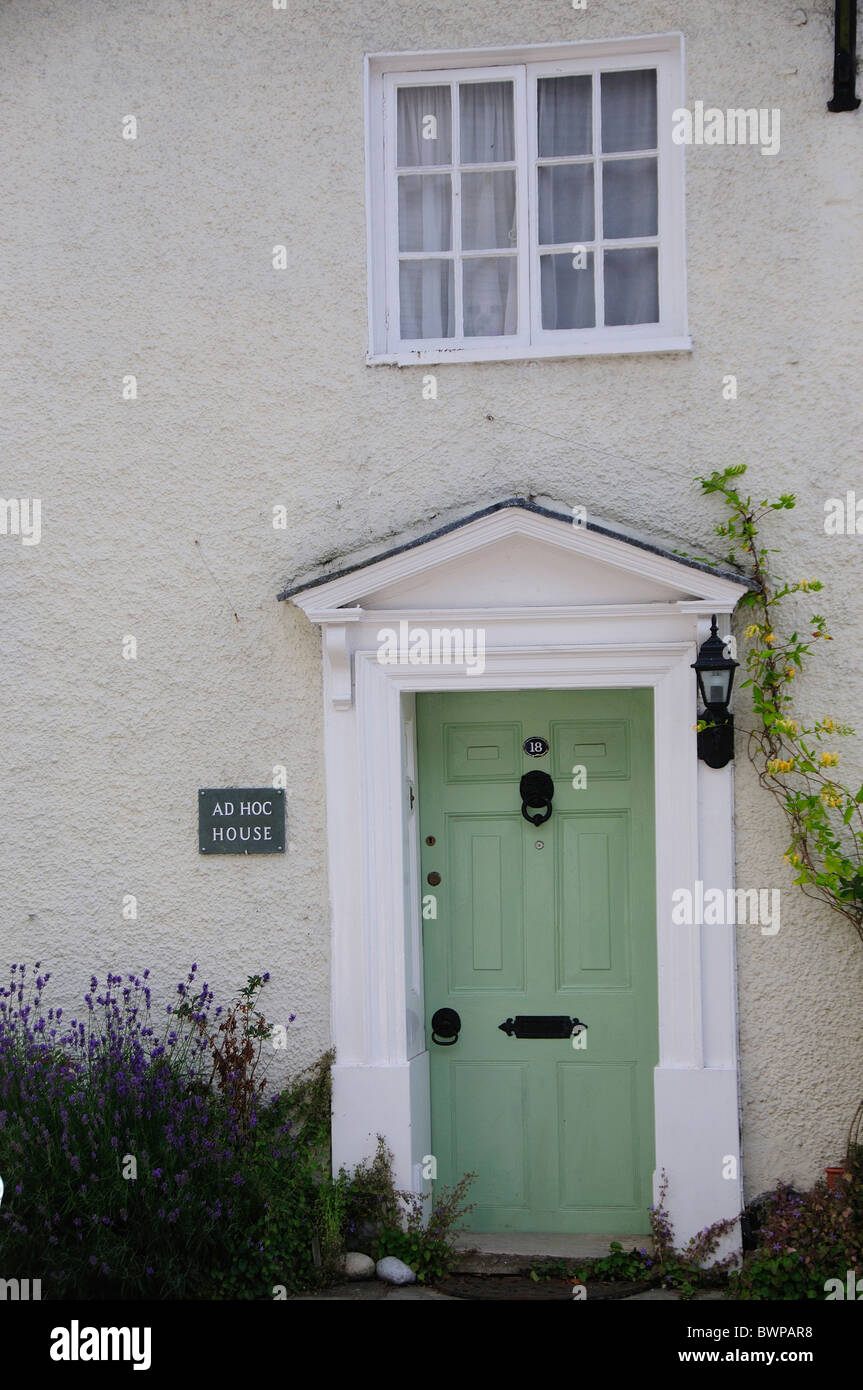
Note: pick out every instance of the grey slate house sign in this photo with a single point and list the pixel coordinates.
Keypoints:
(241, 820)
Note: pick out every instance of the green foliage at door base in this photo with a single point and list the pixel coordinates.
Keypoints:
(391, 1222)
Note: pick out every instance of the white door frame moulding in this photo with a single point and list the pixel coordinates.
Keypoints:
(380, 1080)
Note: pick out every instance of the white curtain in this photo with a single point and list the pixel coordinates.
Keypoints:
(632, 285)
(488, 211)
(628, 110)
(486, 127)
(568, 293)
(427, 299)
(629, 197)
(564, 115)
(421, 142)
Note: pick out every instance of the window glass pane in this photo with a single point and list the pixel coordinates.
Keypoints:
(486, 129)
(424, 126)
(488, 210)
(629, 200)
(628, 101)
(490, 296)
(427, 299)
(567, 294)
(564, 114)
(425, 212)
(632, 285)
(565, 203)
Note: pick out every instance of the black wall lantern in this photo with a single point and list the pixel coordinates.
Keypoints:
(844, 57)
(715, 672)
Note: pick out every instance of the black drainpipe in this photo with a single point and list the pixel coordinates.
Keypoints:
(844, 57)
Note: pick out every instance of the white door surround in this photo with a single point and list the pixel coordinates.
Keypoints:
(561, 606)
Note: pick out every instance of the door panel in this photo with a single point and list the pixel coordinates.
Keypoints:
(492, 1098)
(486, 924)
(479, 753)
(592, 922)
(597, 1149)
(601, 748)
(551, 919)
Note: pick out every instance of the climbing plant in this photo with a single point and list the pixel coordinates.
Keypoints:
(795, 761)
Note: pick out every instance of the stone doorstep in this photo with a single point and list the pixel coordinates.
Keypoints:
(515, 1252)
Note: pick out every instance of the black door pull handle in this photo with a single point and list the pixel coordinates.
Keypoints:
(447, 1023)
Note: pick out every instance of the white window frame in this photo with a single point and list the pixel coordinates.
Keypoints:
(385, 72)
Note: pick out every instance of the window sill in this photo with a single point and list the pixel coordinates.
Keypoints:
(521, 353)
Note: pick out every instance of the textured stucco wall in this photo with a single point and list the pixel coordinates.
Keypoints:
(153, 257)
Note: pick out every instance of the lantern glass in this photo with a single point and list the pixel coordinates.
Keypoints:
(716, 686)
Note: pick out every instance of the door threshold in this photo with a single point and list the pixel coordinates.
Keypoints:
(511, 1252)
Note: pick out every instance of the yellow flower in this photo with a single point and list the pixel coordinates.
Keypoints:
(829, 759)
(769, 638)
(829, 797)
(775, 765)
(828, 726)
(790, 673)
(792, 859)
(752, 630)
(788, 726)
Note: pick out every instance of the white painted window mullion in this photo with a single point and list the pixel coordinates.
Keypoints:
(599, 224)
(391, 215)
(455, 104)
(524, 200)
(532, 183)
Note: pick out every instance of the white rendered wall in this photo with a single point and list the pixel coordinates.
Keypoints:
(154, 257)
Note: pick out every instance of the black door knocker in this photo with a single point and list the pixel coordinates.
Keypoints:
(536, 789)
(447, 1023)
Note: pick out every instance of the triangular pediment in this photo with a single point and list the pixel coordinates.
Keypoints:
(514, 554)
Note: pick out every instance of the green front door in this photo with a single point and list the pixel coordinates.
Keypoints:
(539, 921)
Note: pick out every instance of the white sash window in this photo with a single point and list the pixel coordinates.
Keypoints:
(526, 208)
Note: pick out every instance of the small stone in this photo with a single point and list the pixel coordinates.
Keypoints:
(358, 1266)
(394, 1271)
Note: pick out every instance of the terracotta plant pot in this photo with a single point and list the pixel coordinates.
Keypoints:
(834, 1177)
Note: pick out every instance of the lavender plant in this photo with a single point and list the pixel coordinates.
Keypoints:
(128, 1173)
